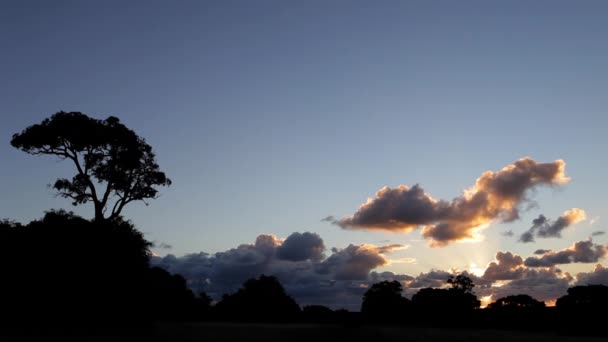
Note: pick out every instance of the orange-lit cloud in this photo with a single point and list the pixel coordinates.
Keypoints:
(494, 196)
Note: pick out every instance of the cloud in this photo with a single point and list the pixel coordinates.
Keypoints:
(163, 245)
(541, 251)
(508, 233)
(433, 278)
(355, 262)
(299, 247)
(544, 228)
(506, 267)
(579, 252)
(542, 284)
(297, 261)
(598, 233)
(495, 195)
(599, 276)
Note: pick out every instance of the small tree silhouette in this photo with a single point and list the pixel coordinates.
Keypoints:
(461, 283)
(262, 299)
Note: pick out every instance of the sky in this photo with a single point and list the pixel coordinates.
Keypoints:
(271, 116)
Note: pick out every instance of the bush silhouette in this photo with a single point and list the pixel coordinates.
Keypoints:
(64, 269)
(517, 302)
(262, 299)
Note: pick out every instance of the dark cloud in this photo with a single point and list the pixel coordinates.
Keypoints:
(376, 277)
(433, 278)
(599, 276)
(354, 262)
(579, 252)
(506, 267)
(541, 251)
(495, 195)
(329, 218)
(544, 228)
(298, 262)
(163, 245)
(542, 284)
(527, 236)
(598, 233)
(299, 247)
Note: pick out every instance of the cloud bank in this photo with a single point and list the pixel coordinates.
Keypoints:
(494, 196)
(340, 278)
(298, 261)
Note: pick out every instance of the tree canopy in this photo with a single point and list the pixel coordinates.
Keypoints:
(114, 166)
(462, 283)
(383, 300)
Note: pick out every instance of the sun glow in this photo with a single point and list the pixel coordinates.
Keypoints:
(485, 301)
(476, 270)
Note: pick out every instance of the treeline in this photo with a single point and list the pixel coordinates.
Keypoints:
(66, 272)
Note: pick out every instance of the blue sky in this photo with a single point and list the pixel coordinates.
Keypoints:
(270, 115)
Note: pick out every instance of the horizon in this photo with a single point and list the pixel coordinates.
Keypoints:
(417, 138)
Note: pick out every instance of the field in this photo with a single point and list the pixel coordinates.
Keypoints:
(228, 332)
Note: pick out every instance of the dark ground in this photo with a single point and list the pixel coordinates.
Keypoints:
(230, 332)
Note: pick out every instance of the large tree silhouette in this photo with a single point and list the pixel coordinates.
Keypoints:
(383, 301)
(114, 166)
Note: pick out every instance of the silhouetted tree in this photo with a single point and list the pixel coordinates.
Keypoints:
(517, 302)
(581, 310)
(88, 271)
(318, 314)
(170, 296)
(451, 306)
(262, 299)
(383, 302)
(461, 283)
(432, 299)
(113, 164)
(584, 297)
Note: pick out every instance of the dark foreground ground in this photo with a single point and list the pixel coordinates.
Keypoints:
(231, 332)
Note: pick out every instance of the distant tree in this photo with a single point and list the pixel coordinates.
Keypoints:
(584, 298)
(262, 299)
(461, 283)
(521, 301)
(317, 314)
(437, 299)
(113, 164)
(582, 310)
(458, 297)
(384, 301)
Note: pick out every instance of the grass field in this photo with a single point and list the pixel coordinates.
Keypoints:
(230, 332)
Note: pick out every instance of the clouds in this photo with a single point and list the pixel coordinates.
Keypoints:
(298, 262)
(544, 228)
(542, 284)
(506, 267)
(299, 247)
(599, 276)
(582, 251)
(341, 278)
(494, 196)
